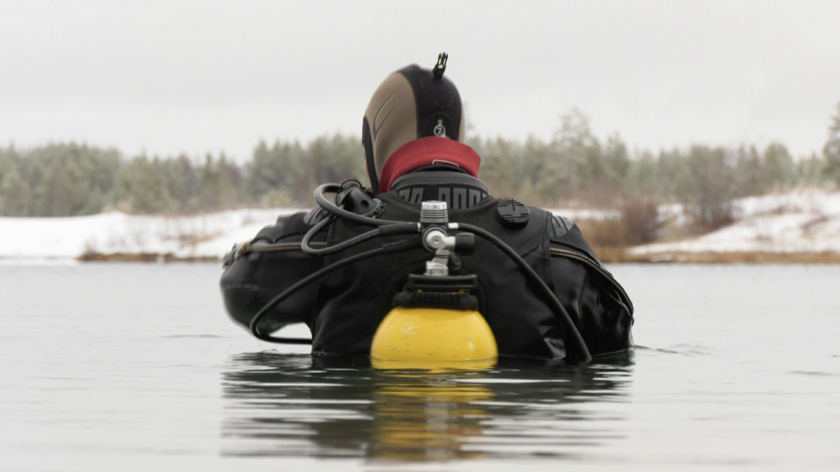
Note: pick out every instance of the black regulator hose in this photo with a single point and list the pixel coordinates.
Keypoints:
(331, 207)
(548, 295)
(305, 247)
(389, 248)
(388, 230)
(394, 227)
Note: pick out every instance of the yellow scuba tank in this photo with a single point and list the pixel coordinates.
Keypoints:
(435, 322)
(433, 337)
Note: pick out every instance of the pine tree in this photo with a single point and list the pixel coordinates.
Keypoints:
(141, 188)
(573, 146)
(831, 150)
(643, 178)
(711, 185)
(14, 194)
(779, 168)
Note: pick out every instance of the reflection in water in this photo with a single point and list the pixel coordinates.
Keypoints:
(296, 405)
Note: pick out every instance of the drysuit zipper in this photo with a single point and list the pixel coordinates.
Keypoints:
(593, 264)
(280, 247)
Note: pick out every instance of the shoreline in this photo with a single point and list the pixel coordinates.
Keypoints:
(615, 256)
(607, 256)
(145, 257)
(801, 226)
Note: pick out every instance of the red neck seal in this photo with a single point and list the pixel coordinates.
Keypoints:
(429, 151)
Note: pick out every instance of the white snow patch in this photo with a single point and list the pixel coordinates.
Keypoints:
(585, 213)
(56, 239)
(799, 221)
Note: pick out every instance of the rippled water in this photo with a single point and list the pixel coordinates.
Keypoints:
(133, 367)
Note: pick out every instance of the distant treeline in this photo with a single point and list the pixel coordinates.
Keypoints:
(73, 179)
(573, 168)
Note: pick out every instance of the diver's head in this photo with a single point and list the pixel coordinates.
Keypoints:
(412, 103)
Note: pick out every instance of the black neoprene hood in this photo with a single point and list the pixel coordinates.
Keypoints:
(411, 103)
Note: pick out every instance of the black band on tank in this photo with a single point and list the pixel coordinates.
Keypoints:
(437, 103)
(367, 142)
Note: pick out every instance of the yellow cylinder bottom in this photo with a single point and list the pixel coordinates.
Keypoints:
(433, 338)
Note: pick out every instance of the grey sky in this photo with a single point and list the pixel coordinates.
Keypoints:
(169, 76)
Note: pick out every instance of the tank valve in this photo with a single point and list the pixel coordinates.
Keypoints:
(435, 321)
(434, 212)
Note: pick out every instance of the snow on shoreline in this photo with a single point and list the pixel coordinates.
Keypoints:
(801, 221)
(798, 221)
(203, 236)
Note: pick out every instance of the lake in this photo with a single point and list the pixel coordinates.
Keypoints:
(136, 367)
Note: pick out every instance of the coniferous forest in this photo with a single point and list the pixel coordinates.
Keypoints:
(574, 169)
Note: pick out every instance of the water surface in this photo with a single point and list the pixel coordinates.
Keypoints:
(132, 367)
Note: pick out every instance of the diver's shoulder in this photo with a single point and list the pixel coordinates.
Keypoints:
(288, 224)
(558, 230)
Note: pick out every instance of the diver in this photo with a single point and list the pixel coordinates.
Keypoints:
(530, 274)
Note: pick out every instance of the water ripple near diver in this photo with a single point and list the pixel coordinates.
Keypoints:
(681, 349)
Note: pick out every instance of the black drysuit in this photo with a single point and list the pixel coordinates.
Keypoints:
(344, 308)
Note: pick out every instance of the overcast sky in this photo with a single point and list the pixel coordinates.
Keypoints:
(170, 76)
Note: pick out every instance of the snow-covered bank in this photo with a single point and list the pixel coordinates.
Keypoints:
(205, 236)
(802, 221)
(210, 236)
